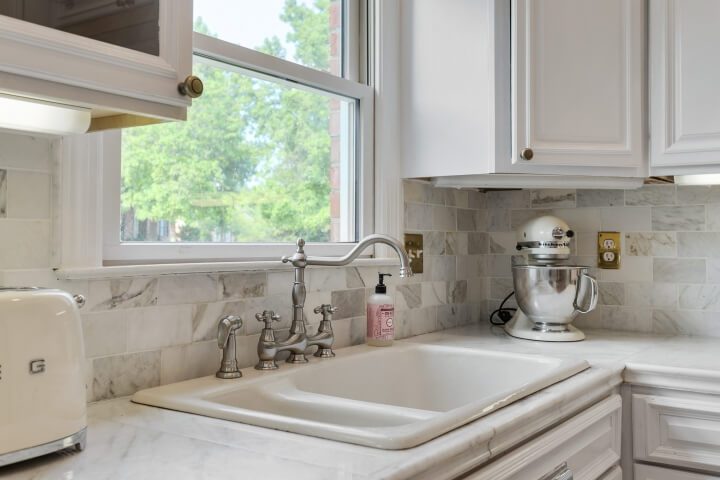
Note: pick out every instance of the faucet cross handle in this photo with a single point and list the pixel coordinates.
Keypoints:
(267, 316)
(326, 310)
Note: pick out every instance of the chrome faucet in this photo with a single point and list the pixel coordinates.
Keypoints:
(298, 341)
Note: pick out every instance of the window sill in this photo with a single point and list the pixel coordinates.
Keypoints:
(124, 271)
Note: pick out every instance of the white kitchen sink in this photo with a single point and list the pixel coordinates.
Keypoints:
(390, 398)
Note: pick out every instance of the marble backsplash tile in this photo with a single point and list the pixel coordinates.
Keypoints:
(3, 193)
(600, 198)
(679, 218)
(651, 244)
(651, 195)
(685, 270)
(120, 375)
(122, 293)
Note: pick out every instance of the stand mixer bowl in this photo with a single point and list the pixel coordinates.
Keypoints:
(552, 296)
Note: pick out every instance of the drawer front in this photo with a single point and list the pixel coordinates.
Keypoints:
(589, 443)
(677, 431)
(647, 472)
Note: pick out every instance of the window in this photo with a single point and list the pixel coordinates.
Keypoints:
(309, 32)
(278, 147)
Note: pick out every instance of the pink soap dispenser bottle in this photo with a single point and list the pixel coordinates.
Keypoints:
(380, 316)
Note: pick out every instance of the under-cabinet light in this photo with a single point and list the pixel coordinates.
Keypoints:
(32, 115)
(705, 179)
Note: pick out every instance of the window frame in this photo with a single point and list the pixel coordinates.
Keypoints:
(274, 69)
(78, 179)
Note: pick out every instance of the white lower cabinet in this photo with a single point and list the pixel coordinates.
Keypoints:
(647, 472)
(677, 430)
(588, 444)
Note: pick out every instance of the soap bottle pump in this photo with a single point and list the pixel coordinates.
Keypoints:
(380, 316)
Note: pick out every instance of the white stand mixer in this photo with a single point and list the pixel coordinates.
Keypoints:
(549, 295)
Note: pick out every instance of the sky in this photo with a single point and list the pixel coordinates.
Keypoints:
(245, 22)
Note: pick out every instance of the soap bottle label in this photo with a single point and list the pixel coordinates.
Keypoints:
(381, 321)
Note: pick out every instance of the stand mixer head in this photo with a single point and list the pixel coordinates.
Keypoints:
(545, 240)
(549, 295)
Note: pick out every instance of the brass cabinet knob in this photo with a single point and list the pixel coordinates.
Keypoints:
(192, 87)
(527, 154)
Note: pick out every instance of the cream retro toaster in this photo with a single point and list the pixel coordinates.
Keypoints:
(42, 385)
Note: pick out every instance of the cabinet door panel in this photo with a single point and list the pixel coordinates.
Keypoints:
(677, 431)
(685, 106)
(577, 83)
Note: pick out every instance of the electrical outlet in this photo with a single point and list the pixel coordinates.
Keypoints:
(609, 250)
(414, 249)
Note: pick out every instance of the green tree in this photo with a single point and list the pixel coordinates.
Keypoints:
(253, 158)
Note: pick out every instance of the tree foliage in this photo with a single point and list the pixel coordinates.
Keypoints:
(252, 161)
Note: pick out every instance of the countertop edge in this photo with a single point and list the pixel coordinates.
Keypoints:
(510, 427)
(674, 378)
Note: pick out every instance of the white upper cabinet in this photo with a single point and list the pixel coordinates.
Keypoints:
(523, 86)
(577, 85)
(124, 59)
(684, 80)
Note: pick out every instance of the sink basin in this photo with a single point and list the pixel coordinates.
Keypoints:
(390, 398)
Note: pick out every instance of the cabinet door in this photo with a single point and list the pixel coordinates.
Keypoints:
(577, 86)
(133, 53)
(684, 76)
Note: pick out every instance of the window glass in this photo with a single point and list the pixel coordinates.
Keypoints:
(308, 32)
(259, 160)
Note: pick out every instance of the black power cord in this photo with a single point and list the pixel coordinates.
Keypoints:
(504, 314)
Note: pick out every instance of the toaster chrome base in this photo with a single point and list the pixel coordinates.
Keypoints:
(76, 440)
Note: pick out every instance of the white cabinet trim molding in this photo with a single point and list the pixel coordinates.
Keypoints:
(43, 53)
(691, 380)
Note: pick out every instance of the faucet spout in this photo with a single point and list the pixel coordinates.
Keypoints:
(405, 270)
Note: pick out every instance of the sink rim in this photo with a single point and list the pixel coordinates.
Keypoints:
(199, 396)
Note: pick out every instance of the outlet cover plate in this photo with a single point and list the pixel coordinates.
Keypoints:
(414, 248)
(609, 250)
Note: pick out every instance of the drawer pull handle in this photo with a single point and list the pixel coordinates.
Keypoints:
(561, 472)
(527, 154)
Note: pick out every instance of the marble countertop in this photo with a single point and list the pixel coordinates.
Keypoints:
(126, 440)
